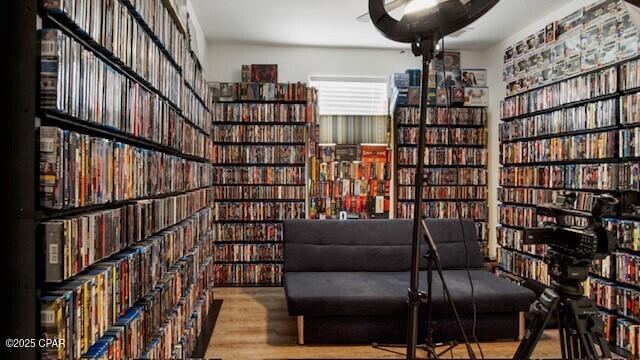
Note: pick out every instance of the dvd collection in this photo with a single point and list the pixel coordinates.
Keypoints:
(120, 33)
(521, 216)
(141, 35)
(594, 36)
(444, 136)
(591, 116)
(630, 109)
(627, 268)
(258, 113)
(584, 87)
(406, 193)
(511, 238)
(442, 116)
(74, 82)
(629, 176)
(255, 91)
(524, 266)
(444, 156)
(630, 142)
(194, 77)
(259, 211)
(249, 232)
(628, 336)
(577, 176)
(352, 179)
(196, 111)
(533, 196)
(267, 175)
(258, 133)
(154, 278)
(248, 274)
(476, 210)
(260, 192)
(630, 75)
(604, 293)
(601, 145)
(444, 177)
(626, 231)
(247, 252)
(158, 19)
(79, 170)
(74, 243)
(257, 154)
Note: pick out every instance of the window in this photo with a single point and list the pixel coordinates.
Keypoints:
(346, 95)
(353, 110)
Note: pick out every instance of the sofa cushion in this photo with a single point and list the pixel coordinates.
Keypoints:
(373, 245)
(385, 293)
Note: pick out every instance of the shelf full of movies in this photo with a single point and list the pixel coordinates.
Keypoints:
(264, 134)
(455, 178)
(125, 183)
(570, 124)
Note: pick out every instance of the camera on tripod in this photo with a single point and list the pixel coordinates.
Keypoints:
(571, 248)
(570, 251)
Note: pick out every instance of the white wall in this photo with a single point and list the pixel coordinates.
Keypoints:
(296, 63)
(493, 61)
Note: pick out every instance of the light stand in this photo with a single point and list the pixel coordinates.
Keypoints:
(422, 26)
(425, 48)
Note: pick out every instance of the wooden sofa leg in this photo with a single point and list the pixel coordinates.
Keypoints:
(521, 326)
(300, 330)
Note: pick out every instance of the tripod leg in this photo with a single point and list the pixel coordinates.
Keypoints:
(541, 311)
(589, 329)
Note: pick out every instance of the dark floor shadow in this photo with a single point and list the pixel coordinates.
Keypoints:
(281, 327)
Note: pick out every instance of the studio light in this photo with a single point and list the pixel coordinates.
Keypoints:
(419, 5)
(423, 24)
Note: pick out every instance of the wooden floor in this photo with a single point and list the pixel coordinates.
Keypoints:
(254, 324)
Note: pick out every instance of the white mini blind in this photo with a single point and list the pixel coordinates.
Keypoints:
(351, 95)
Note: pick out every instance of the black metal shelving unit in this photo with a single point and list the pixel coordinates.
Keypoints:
(25, 239)
(249, 271)
(510, 252)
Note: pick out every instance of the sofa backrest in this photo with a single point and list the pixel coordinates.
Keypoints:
(373, 245)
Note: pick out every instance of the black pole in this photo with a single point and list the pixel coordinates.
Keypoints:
(424, 48)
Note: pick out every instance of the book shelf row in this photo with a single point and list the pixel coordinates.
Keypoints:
(78, 170)
(160, 283)
(575, 132)
(141, 35)
(126, 219)
(71, 244)
(261, 136)
(455, 162)
(74, 82)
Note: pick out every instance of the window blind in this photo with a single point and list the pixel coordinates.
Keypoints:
(351, 95)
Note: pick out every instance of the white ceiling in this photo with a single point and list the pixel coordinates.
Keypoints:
(333, 23)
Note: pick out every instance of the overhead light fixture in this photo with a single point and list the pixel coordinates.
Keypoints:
(419, 5)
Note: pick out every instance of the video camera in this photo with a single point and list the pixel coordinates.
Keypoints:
(572, 249)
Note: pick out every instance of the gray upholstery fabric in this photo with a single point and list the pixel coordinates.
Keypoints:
(392, 329)
(373, 245)
(385, 293)
(349, 279)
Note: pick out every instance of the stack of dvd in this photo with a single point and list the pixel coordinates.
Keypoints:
(260, 151)
(116, 313)
(78, 170)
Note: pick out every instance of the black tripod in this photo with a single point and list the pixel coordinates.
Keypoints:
(416, 297)
(579, 324)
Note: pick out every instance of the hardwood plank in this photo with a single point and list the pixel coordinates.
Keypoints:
(254, 324)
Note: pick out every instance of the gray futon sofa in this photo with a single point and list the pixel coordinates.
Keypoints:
(346, 282)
